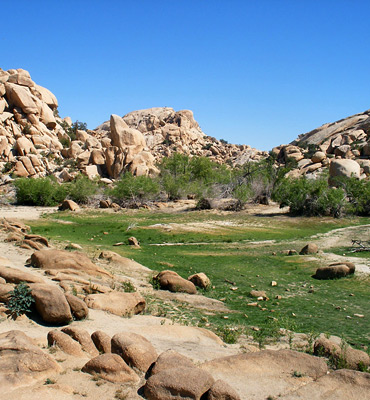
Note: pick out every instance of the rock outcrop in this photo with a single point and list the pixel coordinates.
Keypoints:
(35, 141)
(22, 363)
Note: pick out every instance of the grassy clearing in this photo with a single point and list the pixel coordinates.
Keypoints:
(222, 247)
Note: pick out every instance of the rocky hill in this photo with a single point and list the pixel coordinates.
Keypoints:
(35, 141)
(346, 139)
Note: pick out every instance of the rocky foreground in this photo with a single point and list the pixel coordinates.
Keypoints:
(87, 338)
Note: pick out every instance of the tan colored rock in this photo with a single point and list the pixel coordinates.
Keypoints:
(65, 343)
(122, 136)
(20, 96)
(310, 248)
(14, 275)
(78, 307)
(82, 337)
(51, 303)
(22, 363)
(171, 359)
(350, 265)
(28, 165)
(69, 205)
(344, 168)
(136, 351)
(351, 358)
(61, 259)
(132, 241)
(221, 390)
(46, 96)
(251, 374)
(102, 341)
(24, 146)
(118, 303)
(74, 150)
(47, 116)
(112, 368)
(332, 272)
(5, 289)
(91, 171)
(201, 280)
(97, 157)
(340, 384)
(37, 238)
(258, 293)
(170, 280)
(178, 383)
(20, 170)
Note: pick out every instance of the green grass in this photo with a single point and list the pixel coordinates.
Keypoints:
(226, 252)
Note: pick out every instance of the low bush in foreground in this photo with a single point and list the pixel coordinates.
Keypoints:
(20, 300)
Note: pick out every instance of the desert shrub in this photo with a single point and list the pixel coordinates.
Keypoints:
(310, 197)
(20, 301)
(252, 181)
(81, 189)
(8, 166)
(358, 194)
(71, 130)
(134, 188)
(39, 192)
(181, 175)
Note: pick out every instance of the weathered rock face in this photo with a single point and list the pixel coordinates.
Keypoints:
(22, 363)
(82, 336)
(65, 343)
(102, 341)
(251, 374)
(51, 303)
(112, 368)
(78, 307)
(178, 383)
(137, 351)
(172, 281)
(118, 303)
(64, 260)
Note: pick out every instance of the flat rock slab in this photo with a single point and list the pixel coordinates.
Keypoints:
(13, 275)
(112, 368)
(64, 260)
(266, 373)
(340, 384)
(118, 303)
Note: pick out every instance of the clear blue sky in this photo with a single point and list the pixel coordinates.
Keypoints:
(256, 72)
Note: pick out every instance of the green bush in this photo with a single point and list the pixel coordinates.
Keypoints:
(358, 194)
(39, 191)
(81, 189)
(20, 301)
(134, 188)
(310, 197)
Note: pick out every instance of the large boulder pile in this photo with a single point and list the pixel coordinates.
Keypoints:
(343, 146)
(35, 141)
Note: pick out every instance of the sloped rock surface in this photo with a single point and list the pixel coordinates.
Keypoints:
(22, 363)
(112, 368)
(63, 260)
(137, 351)
(251, 374)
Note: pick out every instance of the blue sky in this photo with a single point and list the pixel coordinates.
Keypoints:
(253, 72)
